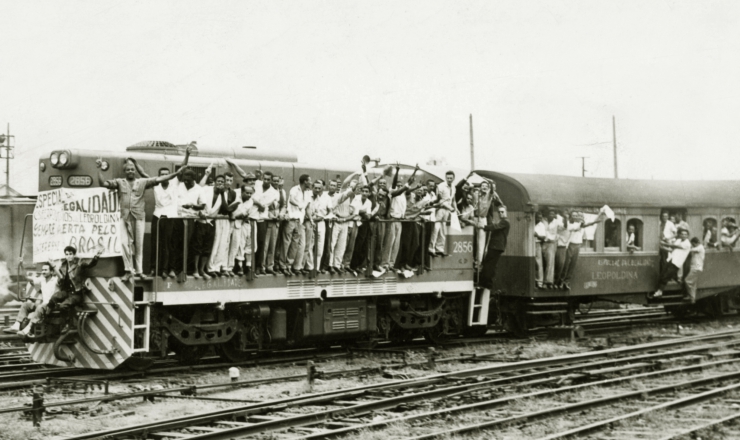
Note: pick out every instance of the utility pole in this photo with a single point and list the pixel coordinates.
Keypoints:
(583, 165)
(614, 137)
(8, 147)
(472, 148)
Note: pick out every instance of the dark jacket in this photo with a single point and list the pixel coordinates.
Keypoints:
(499, 232)
(73, 274)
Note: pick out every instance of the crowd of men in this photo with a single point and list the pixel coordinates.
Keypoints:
(557, 246)
(681, 259)
(328, 226)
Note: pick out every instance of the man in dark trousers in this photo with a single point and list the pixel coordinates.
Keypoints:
(496, 246)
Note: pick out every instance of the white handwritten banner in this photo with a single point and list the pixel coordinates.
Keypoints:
(85, 218)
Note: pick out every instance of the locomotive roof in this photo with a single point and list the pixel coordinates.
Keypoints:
(520, 191)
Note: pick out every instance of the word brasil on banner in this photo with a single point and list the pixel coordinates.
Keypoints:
(84, 218)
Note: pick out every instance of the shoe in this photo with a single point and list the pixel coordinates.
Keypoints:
(230, 273)
(540, 286)
(197, 276)
(164, 275)
(264, 271)
(239, 273)
(287, 272)
(331, 270)
(658, 294)
(427, 268)
(126, 277)
(566, 286)
(432, 254)
(15, 328)
(247, 271)
(206, 276)
(27, 331)
(305, 272)
(442, 254)
(339, 270)
(172, 274)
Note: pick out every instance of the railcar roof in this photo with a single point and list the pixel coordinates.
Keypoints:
(519, 190)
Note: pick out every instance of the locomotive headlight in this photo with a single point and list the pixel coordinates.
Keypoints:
(54, 159)
(104, 165)
(42, 166)
(63, 158)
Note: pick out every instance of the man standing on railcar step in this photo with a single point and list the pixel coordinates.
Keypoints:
(680, 251)
(131, 200)
(496, 246)
(696, 269)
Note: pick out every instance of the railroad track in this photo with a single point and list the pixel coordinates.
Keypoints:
(345, 412)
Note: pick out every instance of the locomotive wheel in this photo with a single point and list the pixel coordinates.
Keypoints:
(230, 351)
(190, 354)
(436, 334)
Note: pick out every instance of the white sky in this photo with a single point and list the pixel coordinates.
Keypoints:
(338, 79)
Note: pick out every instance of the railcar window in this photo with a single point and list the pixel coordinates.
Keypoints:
(633, 237)
(709, 233)
(613, 235)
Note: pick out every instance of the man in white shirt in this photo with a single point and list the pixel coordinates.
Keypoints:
(165, 207)
(266, 228)
(341, 213)
(549, 247)
(397, 211)
(187, 200)
(577, 229)
(39, 291)
(563, 239)
(681, 223)
(540, 233)
(317, 209)
(201, 244)
(697, 267)
(357, 249)
(680, 251)
(631, 239)
(445, 205)
(668, 233)
(240, 247)
(294, 234)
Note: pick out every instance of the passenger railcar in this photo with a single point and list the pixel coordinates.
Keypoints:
(606, 270)
(141, 320)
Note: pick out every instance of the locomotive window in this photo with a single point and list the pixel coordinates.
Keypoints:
(613, 235)
(633, 237)
(709, 233)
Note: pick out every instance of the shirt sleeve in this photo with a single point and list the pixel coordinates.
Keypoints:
(111, 184)
(150, 183)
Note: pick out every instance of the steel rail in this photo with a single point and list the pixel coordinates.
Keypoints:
(707, 425)
(595, 403)
(184, 422)
(677, 403)
(503, 400)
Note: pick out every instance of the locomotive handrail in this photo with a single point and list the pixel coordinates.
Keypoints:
(316, 264)
(20, 259)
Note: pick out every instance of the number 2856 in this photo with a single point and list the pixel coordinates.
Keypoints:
(463, 247)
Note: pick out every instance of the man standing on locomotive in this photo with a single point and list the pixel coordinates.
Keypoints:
(131, 200)
(240, 246)
(445, 206)
(218, 263)
(294, 236)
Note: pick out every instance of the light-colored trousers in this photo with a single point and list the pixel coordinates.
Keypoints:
(338, 243)
(692, 280)
(391, 243)
(240, 247)
(538, 259)
(132, 243)
(438, 241)
(549, 249)
(481, 238)
(319, 237)
(220, 250)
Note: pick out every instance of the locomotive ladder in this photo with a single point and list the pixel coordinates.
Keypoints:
(142, 324)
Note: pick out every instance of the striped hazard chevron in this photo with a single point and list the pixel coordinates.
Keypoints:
(108, 330)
